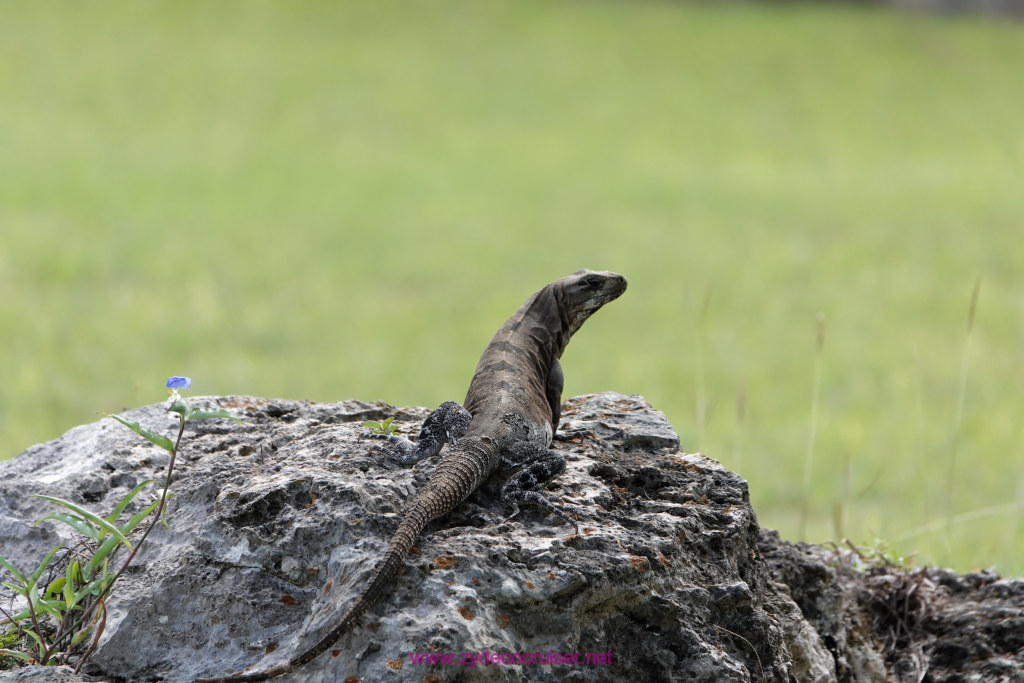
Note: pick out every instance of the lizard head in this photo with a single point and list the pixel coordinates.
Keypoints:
(585, 291)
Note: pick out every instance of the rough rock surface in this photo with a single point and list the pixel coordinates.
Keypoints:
(888, 623)
(277, 523)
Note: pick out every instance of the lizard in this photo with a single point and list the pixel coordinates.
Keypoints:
(508, 419)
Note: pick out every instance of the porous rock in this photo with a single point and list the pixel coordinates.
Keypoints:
(884, 622)
(278, 522)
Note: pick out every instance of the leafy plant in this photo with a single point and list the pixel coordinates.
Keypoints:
(385, 427)
(63, 601)
(877, 553)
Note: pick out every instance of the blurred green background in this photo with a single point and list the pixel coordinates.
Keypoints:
(345, 200)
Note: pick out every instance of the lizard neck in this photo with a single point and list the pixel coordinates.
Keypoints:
(512, 373)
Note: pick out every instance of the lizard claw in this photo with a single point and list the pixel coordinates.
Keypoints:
(380, 450)
(570, 515)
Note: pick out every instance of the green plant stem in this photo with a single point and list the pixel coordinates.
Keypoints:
(87, 614)
(961, 401)
(96, 638)
(55, 642)
(38, 631)
(157, 514)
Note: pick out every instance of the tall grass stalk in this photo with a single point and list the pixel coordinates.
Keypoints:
(841, 508)
(702, 404)
(961, 401)
(813, 429)
(962, 518)
(922, 448)
(741, 417)
(1020, 508)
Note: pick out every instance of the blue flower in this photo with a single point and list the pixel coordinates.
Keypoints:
(179, 382)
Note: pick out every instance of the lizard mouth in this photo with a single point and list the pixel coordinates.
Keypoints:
(591, 291)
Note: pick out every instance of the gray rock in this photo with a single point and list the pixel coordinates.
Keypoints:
(882, 622)
(276, 524)
(46, 674)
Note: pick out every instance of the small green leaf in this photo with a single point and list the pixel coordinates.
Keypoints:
(101, 553)
(39, 641)
(97, 617)
(151, 436)
(111, 542)
(17, 655)
(83, 634)
(217, 413)
(18, 576)
(41, 605)
(163, 512)
(21, 616)
(104, 525)
(73, 521)
(54, 608)
(69, 585)
(55, 587)
(384, 427)
(43, 565)
(20, 589)
(128, 526)
(119, 508)
(94, 587)
(97, 585)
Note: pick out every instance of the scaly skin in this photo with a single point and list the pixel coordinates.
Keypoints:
(514, 402)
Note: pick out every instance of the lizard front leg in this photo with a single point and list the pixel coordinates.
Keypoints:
(537, 466)
(553, 392)
(446, 424)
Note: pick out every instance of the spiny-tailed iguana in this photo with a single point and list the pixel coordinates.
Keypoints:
(510, 414)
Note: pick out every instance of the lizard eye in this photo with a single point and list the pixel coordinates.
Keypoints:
(592, 282)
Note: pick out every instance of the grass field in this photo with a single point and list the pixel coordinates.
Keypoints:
(345, 200)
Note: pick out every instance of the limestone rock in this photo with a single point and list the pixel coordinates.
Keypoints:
(886, 623)
(277, 523)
